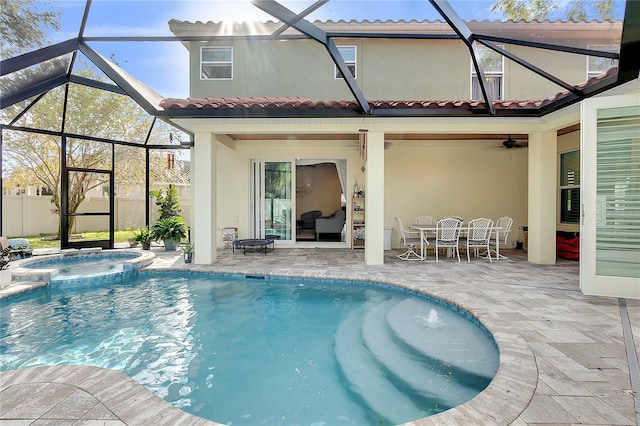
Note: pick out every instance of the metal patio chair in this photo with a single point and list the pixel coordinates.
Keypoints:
(448, 235)
(479, 236)
(408, 240)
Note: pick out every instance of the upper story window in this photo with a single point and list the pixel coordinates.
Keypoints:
(596, 65)
(216, 63)
(349, 55)
(570, 187)
(492, 64)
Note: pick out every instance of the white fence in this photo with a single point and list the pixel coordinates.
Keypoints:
(24, 215)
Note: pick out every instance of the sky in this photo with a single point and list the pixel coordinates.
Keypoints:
(164, 66)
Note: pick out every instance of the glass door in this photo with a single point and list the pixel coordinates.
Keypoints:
(86, 194)
(272, 199)
(610, 226)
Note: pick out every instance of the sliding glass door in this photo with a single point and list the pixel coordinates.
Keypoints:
(272, 200)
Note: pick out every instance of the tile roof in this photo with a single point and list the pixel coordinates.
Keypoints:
(296, 106)
(578, 29)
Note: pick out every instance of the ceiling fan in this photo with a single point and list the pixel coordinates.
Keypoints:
(510, 143)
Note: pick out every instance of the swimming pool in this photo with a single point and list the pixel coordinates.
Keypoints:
(250, 351)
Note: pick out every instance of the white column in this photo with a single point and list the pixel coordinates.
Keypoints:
(203, 180)
(543, 195)
(374, 202)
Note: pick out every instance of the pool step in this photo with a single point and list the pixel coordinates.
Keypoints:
(366, 379)
(446, 338)
(433, 381)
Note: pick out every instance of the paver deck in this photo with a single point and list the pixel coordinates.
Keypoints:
(562, 353)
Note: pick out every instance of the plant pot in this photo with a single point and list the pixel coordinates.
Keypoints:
(188, 257)
(146, 246)
(5, 278)
(171, 245)
(132, 242)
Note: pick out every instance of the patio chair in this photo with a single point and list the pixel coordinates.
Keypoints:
(479, 236)
(505, 222)
(20, 248)
(425, 220)
(448, 235)
(408, 240)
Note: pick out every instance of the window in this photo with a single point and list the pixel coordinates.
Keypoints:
(216, 63)
(491, 63)
(570, 187)
(596, 65)
(349, 55)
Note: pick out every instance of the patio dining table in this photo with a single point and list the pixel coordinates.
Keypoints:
(425, 229)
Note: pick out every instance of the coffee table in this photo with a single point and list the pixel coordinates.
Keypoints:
(253, 243)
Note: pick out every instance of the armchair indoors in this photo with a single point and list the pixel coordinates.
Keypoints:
(331, 225)
(309, 219)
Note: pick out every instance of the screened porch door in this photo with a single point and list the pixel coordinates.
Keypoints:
(610, 226)
(272, 200)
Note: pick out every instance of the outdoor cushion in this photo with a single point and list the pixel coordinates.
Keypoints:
(20, 248)
(568, 245)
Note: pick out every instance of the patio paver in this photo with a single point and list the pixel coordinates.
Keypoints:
(563, 358)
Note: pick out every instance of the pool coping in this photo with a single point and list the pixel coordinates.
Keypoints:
(19, 271)
(500, 403)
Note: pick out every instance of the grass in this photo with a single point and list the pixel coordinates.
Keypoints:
(46, 241)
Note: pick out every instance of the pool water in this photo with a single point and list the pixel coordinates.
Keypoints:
(71, 266)
(251, 351)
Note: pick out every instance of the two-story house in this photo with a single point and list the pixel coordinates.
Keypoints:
(410, 124)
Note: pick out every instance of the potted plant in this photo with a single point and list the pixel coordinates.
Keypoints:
(170, 230)
(168, 202)
(143, 236)
(133, 242)
(188, 251)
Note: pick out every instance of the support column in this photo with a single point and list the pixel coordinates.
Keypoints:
(203, 205)
(374, 202)
(543, 190)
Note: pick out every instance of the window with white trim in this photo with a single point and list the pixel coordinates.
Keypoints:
(348, 53)
(597, 65)
(492, 64)
(570, 187)
(216, 63)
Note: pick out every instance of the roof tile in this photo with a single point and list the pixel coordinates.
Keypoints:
(301, 103)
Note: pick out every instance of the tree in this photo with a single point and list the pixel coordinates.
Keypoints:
(23, 27)
(168, 202)
(581, 10)
(90, 112)
(529, 10)
(525, 10)
(35, 158)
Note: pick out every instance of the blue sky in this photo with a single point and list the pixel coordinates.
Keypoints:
(164, 66)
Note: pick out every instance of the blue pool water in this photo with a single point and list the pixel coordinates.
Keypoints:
(83, 264)
(250, 351)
